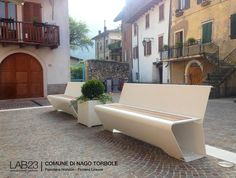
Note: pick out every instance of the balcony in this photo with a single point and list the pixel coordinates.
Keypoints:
(190, 50)
(28, 34)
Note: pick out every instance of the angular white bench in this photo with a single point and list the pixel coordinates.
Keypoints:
(63, 101)
(167, 116)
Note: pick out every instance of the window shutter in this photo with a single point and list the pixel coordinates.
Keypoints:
(145, 48)
(161, 12)
(199, 1)
(233, 26)
(207, 32)
(179, 4)
(160, 43)
(187, 4)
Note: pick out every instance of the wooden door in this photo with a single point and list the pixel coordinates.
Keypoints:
(21, 76)
(32, 14)
(195, 75)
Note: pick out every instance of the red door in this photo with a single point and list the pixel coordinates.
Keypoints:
(21, 76)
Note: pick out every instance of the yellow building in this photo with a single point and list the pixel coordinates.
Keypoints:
(203, 44)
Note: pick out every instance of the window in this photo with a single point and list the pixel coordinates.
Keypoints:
(106, 43)
(147, 48)
(161, 12)
(160, 43)
(207, 32)
(199, 1)
(7, 10)
(147, 22)
(135, 52)
(100, 46)
(184, 4)
(233, 26)
(135, 29)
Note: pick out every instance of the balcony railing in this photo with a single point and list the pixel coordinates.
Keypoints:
(25, 33)
(197, 48)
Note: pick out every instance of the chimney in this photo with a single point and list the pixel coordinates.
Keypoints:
(105, 29)
(99, 32)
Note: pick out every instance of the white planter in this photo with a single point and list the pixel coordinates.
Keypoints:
(86, 113)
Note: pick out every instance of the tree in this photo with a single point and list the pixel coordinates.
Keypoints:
(79, 35)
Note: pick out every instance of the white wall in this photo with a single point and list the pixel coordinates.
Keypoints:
(148, 73)
(55, 62)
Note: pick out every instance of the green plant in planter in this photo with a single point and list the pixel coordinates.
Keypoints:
(165, 47)
(92, 90)
(191, 41)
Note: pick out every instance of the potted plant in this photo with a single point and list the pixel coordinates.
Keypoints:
(179, 12)
(191, 41)
(165, 47)
(93, 93)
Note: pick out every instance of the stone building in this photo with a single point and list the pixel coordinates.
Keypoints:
(108, 45)
(34, 51)
(203, 44)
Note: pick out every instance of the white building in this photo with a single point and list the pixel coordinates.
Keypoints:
(150, 33)
(102, 42)
(34, 51)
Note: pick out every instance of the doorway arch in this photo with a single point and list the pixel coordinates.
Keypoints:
(21, 76)
(194, 73)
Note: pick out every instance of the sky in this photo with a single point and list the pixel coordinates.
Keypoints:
(93, 13)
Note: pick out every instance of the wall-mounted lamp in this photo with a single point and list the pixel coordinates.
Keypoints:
(145, 40)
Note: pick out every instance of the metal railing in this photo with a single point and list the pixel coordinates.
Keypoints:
(25, 32)
(210, 50)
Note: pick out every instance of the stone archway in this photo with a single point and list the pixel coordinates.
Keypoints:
(21, 76)
(194, 73)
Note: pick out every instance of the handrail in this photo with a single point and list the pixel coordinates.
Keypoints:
(29, 32)
(228, 58)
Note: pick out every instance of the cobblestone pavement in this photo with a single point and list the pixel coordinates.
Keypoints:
(45, 135)
(220, 124)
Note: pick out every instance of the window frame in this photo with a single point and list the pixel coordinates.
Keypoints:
(6, 8)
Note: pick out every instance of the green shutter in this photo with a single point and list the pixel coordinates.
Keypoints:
(199, 1)
(233, 26)
(206, 32)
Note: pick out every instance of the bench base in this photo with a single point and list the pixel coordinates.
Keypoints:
(183, 140)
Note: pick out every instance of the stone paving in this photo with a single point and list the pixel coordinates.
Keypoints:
(220, 124)
(45, 135)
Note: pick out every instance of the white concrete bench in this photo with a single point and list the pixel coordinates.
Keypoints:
(63, 101)
(167, 116)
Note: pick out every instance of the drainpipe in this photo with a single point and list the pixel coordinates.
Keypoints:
(169, 39)
(138, 52)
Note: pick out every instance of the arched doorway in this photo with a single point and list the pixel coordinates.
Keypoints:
(21, 76)
(193, 73)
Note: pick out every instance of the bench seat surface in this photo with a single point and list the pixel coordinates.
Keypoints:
(63, 96)
(159, 115)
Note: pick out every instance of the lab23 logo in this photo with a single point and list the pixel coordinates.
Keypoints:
(24, 165)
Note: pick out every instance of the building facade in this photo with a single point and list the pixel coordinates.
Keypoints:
(150, 33)
(108, 45)
(34, 51)
(145, 30)
(203, 44)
